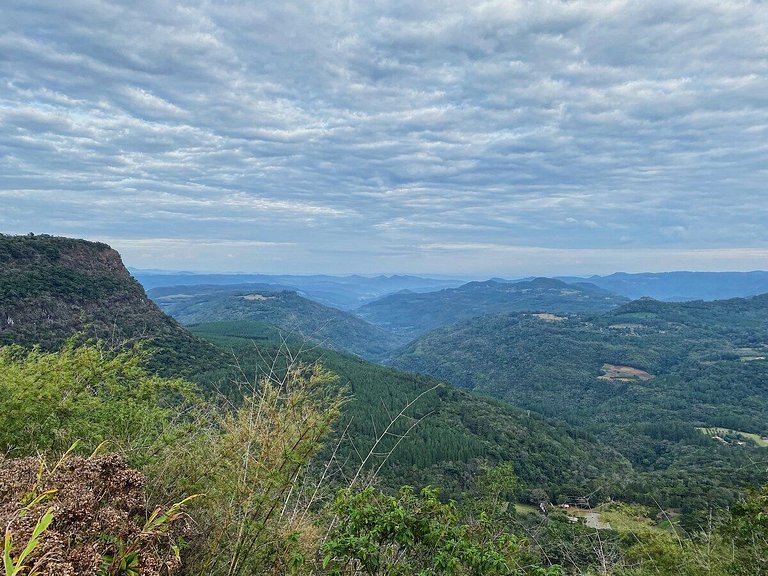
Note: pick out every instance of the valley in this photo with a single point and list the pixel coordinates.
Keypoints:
(286, 310)
(643, 377)
(592, 414)
(389, 288)
(342, 292)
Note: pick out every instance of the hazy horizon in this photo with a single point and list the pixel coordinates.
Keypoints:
(438, 276)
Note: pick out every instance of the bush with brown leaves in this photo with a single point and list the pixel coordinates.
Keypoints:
(100, 524)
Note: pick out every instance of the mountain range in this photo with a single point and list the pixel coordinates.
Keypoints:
(646, 401)
(681, 286)
(343, 292)
(409, 315)
(53, 288)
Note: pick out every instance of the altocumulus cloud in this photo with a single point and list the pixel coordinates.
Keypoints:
(499, 137)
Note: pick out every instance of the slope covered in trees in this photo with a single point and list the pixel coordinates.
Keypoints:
(649, 378)
(410, 315)
(457, 435)
(286, 310)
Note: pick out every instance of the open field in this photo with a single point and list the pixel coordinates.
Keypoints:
(724, 433)
(547, 317)
(633, 519)
(526, 508)
(257, 297)
(619, 373)
(752, 354)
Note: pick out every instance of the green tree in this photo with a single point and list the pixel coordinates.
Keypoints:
(414, 533)
(89, 394)
(748, 530)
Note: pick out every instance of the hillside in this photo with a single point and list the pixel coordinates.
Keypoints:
(288, 311)
(460, 433)
(648, 378)
(410, 315)
(343, 292)
(681, 286)
(53, 287)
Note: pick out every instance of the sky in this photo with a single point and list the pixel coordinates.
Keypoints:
(466, 138)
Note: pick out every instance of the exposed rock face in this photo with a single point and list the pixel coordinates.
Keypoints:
(53, 287)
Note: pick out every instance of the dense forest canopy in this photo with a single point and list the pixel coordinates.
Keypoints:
(649, 379)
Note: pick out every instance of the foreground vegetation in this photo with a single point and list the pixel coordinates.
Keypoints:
(221, 486)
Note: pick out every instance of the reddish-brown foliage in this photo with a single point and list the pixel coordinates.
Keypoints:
(98, 506)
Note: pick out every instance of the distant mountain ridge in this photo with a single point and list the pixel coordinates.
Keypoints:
(681, 286)
(411, 315)
(343, 292)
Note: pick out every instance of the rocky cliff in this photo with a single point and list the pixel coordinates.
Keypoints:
(53, 287)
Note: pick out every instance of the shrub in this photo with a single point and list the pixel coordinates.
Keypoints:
(97, 518)
(89, 394)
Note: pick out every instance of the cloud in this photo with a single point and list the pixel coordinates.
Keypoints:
(388, 126)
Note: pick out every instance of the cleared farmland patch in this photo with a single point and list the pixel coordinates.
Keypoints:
(547, 317)
(730, 436)
(619, 373)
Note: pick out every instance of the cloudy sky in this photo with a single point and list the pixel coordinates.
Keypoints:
(456, 137)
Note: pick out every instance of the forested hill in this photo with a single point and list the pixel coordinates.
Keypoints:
(650, 378)
(53, 287)
(516, 354)
(286, 310)
(411, 315)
